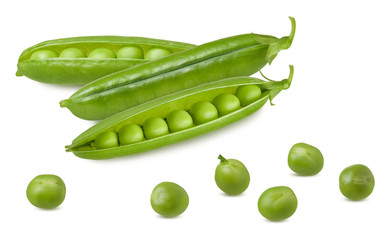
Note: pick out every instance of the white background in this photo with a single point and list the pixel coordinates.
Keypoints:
(336, 103)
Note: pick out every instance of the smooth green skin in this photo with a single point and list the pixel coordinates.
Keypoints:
(248, 94)
(81, 146)
(130, 133)
(231, 176)
(203, 112)
(277, 203)
(155, 127)
(46, 191)
(44, 54)
(155, 53)
(84, 70)
(101, 53)
(72, 53)
(134, 52)
(305, 159)
(179, 120)
(356, 182)
(240, 55)
(107, 140)
(169, 199)
(226, 103)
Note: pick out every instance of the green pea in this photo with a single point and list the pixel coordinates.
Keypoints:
(155, 127)
(356, 182)
(44, 54)
(72, 53)
(231, 176)
(305, 159)
(107, 140)
(203, 112)
(277, 203)
(46, 191)
(226, 103)
(248, 94)
(169, 199)
(101, 53)
(130, 133)
(134, 52)
(157, 52)
(179, 120)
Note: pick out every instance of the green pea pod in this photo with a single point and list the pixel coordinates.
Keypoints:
(240, 55)
(84, 145)
(83, 69)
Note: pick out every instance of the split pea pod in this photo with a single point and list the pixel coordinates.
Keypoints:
(176, 117)
(80, 60)
(240, 55)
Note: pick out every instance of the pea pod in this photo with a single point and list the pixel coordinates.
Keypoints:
(75, 61)
(84, 145)
(240, 55)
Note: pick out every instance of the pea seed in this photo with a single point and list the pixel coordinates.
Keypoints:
(72, 53)
(277, 203)
(101, 53)
(356, 182)
(226, 103)
(155, 127)
(157, 52)
(130, 133)
(179, 120)
(248, 94)
(44, 54)
(130, 52)
(107, 140)
(305, 159)
(203, 112)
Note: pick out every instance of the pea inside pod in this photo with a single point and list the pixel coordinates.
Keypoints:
(155, 120)
(80, 60)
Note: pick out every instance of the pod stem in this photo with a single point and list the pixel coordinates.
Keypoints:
(223, 160)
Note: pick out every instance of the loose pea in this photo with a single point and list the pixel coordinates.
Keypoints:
(231, 176)
(107, 140)
(179, 120)
(130, 52)
(169, 199)
(101, 53)
(226, 103)
(72, 53)
(44, 54)
(130, 133)
(203, 112)
(248, 94)
(155, 127)
(356, 182)
(157, 52)
(46, 191)
(305, 159)
(277, 203)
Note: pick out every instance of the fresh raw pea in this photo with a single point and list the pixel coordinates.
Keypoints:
(248, 94)
(72, 53)
(226, 103)
(277, 203)
(150, 116)
(44, 54)
(130, 52)
(203, 112)
(130, 133)
(101, 53)
(155, 127)
(231, 176)
(179, 120)
(234, 56)
(169, 199)
(155, 53)
(46, 191)
(356, 182)
(65, 61)
(107, 140)
(305, 159)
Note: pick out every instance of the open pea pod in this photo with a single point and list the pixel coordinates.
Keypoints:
(77, 60)
(85, 146)
(241, 55)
